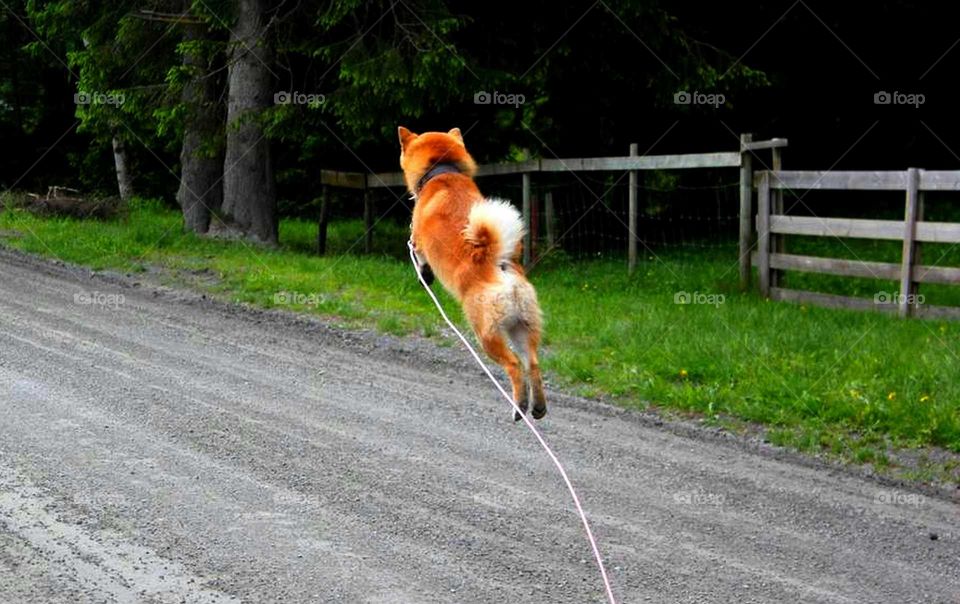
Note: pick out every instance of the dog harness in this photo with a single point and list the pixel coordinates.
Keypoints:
(435, 171)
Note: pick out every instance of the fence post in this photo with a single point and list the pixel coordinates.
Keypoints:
(322, 221)
(550, 217)
(632, 217)
(763, 233)
(528, 236)
(535, 227)
(367, 220)
(909, 248)
(778, 241)
(917, 246)
(746, 209)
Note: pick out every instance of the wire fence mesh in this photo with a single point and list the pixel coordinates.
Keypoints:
(587, 214)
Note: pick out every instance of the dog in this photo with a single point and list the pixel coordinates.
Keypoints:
(472, 245)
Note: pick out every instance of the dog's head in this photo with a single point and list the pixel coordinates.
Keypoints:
(419, 153)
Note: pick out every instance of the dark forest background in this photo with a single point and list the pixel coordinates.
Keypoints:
(596, 76)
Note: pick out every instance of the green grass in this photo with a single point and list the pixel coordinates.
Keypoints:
(847, 383)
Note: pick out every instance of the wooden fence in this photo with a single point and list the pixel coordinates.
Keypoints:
(773, 224)
(632, 163)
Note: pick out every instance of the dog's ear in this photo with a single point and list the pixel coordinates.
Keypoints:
(455, 133)
(405, 136)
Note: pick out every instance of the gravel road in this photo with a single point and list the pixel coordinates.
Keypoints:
(158, 447)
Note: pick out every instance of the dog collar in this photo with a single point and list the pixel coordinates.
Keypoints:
(435, 171)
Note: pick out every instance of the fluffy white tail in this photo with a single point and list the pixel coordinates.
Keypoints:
(495, 229)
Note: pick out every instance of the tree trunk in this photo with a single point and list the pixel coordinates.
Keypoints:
(249, 192)
(122, 162)
(201, 167)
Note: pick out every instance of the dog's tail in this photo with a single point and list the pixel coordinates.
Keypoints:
(495, 230)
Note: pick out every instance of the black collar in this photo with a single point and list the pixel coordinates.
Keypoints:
(437, 170)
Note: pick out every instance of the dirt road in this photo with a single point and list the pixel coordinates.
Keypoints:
(156, 447)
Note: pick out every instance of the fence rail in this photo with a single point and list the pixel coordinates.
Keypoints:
(632, 163)
(359, 180)
(930, 180)
(773, 224)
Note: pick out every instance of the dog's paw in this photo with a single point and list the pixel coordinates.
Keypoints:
(539, 402)
(523, 403)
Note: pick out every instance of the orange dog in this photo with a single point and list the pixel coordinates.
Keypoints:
(472, 245)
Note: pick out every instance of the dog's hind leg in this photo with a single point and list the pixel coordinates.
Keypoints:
(533, 373)
(496, 346)
(525, 339)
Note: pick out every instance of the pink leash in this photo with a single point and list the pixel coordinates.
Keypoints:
(526, 420)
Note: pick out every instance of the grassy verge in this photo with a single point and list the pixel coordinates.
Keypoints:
(847, 383)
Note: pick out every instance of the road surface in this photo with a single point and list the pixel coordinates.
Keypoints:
(157, 447)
